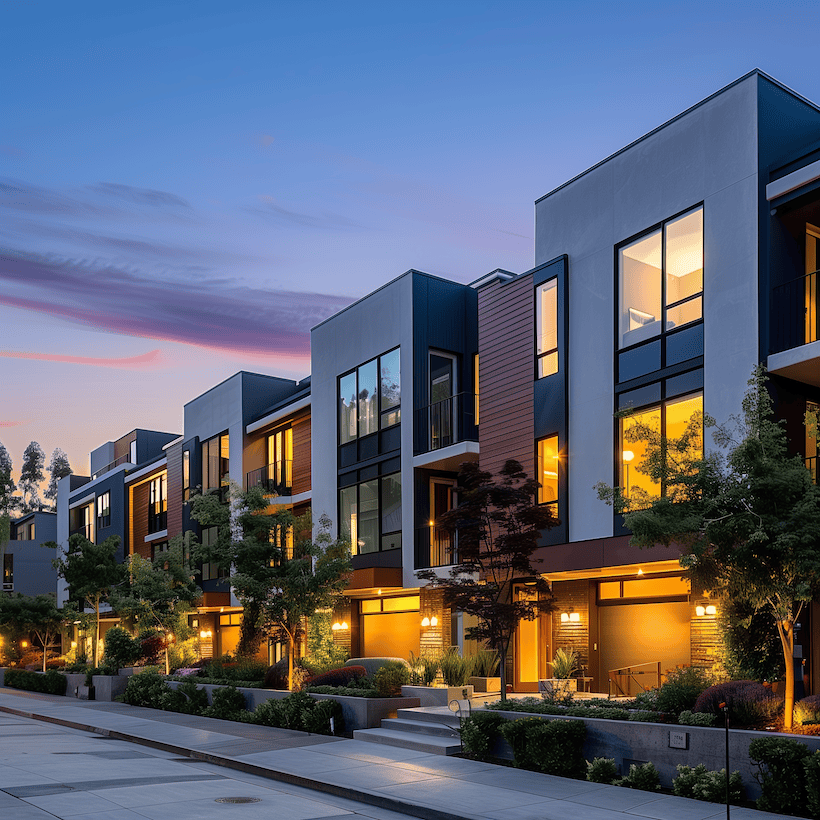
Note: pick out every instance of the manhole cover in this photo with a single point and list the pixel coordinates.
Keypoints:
(238, 800)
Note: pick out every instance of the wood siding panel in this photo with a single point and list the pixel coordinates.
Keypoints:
(174, 455)
(506, 326)
(139, 513)
(301, 455)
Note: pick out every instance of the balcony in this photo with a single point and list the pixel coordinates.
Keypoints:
(85, 531)
(446, 433)
(274, 479)
(795, 330)
(114, 464)
(435, 547)
(157, 520)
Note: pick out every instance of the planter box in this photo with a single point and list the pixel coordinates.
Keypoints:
(2, 675)
(359, 713)
(107, 687)
(485, 685)
(74, 681)
(86, 692)
(635, 742)
(557, 686)
(436, 695)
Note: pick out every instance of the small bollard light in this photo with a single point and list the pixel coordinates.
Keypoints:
(332, 727)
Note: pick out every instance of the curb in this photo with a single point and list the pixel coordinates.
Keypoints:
(359, 795)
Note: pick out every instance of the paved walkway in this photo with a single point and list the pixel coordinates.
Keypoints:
(432, 787)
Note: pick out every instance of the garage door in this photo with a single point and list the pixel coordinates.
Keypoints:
(632, 634)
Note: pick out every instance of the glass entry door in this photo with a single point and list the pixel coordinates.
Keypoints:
(442, 387)
(532, 647)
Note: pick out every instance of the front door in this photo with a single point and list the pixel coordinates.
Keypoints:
(532, 647)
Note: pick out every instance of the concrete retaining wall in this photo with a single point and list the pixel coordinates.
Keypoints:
(436, 695)
(635, 742)
(359, 713)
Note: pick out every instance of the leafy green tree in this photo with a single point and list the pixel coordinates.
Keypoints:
(746, 517)
(7, 503)
(312, 577)
(58, 468)
(160, 592)
(92, 573)
(23, 615)
(31, 475)
(498, 524)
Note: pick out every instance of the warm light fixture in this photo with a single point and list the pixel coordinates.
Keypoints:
(425, 621)
(711, 609)
(574, 617)
(434, 621)
(339, 626)
(24, 644)
(640, 572)
(564, 617)
(700, 611)
(74, 644)
(432, 523)
(344, 625)
(205, 633)
(628, 455)
(379, 592)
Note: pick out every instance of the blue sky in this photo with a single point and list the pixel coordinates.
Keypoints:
(187, 187)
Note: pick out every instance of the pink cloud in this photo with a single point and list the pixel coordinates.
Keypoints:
(12, 423)
(144, 361)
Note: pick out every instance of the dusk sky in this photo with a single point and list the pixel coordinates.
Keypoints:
(186, 188)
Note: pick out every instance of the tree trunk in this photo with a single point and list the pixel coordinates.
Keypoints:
(97, 633)
(503, 670)
(786, 631)
(290, 661)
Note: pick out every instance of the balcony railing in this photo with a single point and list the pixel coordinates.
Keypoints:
(157, 521)
(108, 467)
(795, 318)
(811, 466)
(446, 422)
(274, 479)
(85, 531)
(435, 547)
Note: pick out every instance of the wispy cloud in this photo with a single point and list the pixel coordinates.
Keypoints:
(140, 196)
(206, 312)
(271, 211)
(12, 423)
(144, 361)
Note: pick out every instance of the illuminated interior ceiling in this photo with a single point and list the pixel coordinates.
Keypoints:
(648, 569)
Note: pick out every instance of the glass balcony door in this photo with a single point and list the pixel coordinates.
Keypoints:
(442, 401)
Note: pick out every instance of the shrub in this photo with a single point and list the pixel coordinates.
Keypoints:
(146, 689)
(195, 700)
(645, 717)
(687, 718)
(317, 717)
(337, 677)
(120, 648)
(350, 691)
(602, 770)
(372, 665)
(276, 676)
(598, 712)
(807, 710)
(565, 663)
(749, 702)
(245, 669)
(780, 774)
(643, 776)
(301, 712)
(151, 647)
(391, 677)
(423, 670)
(549, 746)
(454, 669)
(682, 687)
(484, 663)
(51, 683)
(227, 703)
(479, 733)
(811, 764)
(701, 784)
(293, 710)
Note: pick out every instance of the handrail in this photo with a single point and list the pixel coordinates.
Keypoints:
(795, 312)
(620, 672)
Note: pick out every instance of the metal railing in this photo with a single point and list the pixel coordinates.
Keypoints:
(629, 674)
(157, 521)
(446, 422)
(795, 313)
(85, 531)
(274, 479)
(108, 467)
(435, 547)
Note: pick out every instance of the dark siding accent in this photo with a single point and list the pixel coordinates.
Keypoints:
(174, 456)
(506, 320)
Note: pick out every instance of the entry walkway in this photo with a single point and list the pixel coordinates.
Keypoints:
(413, 783)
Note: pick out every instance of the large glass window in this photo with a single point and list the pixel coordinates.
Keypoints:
(546, 320)
(640, 451)
(104, 510)
(279, 474)
(370, 397)
(158, 504)
(548, 463)
(370, 514)
(215, 462)
(186, 475)
(661, 279)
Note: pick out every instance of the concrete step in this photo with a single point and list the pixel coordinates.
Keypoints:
(430, 714)
(406, 740)
(420, 727)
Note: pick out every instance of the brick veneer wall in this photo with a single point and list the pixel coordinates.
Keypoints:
(574, 595)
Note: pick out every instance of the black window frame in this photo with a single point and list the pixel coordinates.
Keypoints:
(381, 412)
(354, 550)
(540, 356)
(158, 507)
(102, 503)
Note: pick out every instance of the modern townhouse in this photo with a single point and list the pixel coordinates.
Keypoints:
(26, 566)
(393, 417)
(663, 275)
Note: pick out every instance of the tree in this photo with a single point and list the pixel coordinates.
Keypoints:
(31, 475)
(92, 573)
(20, 614)
(58, 467)
(746, 517)
(312, 577)
(7, 504)
(498, 525)
(161, 591)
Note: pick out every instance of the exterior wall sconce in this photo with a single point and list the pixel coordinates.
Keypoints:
(205, 633)
(24, 644)
(700, 611)
(340, 626)
(429, 621)
(570, 617)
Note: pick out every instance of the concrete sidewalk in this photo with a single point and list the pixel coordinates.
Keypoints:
(432, 787)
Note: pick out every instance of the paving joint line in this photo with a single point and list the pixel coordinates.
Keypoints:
(358, 795)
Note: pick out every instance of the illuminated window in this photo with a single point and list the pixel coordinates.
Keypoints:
(640, 451)
(546, 322)
(812, 440)
(548, 461)
(158, 504)
(370, 397)
(215, 462)
(8, 572)
(661, 280)
(104, 510)
(370, 515)
(186, 475)
(279, 471)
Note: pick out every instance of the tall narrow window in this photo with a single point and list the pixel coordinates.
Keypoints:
(158, 504)
(370, 514)
(370, 397)
(546, 319)
(347, 408)
(661, 280)
(548, 464)
(104, 510)
(812, 440)
(279, 478)
(215, 462)
(811, 331)
(477, 388)
(186, 475)
(8, 572)
(390, 379)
